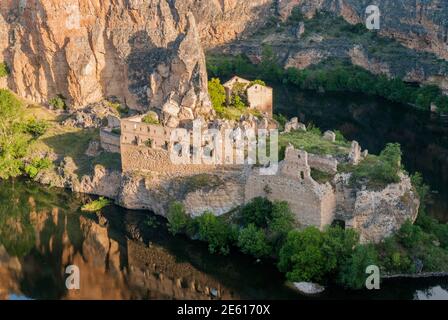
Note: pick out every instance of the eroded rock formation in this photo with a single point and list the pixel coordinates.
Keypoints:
(142, 52)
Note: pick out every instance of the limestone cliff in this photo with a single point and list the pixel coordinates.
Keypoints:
(149, 52)
(142, 52)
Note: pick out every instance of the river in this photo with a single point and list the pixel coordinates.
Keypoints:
(123, 254)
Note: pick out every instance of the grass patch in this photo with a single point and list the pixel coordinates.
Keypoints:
(376, 172)
(312, 142)
(96, 205)
(320, 176)
(202, 181)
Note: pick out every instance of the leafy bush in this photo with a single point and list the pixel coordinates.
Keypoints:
(353, 270)
(150, 118)
(422, 190)
(96, 205)
(312, 255)
(281, 222)
(252, 240)
(35, 127)
(214, 230)
(302, 257)
(394, 258)
(410, 235)
(58, 103)
(217, 93)
(257, 212)
(4, 70)
(36, 165)
(14, 140)
(178, 219)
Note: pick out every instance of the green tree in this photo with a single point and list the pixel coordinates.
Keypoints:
(252, 240)
(302, 257)
(14, 142)
(281, 222)
(58, 103)
(258, 212)
(178, 219)
(217, 93)
(353, 271)
(218, 233)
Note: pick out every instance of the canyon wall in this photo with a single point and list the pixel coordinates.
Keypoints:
(142, 52)
(148, 52)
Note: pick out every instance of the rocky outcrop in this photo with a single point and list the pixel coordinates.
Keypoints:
(142, 52)
(419, 25)
(376, 214)
(101, 181)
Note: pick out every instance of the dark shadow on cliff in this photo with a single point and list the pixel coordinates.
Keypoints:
(75, 144)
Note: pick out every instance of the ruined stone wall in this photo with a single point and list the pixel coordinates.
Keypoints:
(142, 158)
(313, 204)
(260, 98)
(140, 133)
(322, 163)
(110, 142)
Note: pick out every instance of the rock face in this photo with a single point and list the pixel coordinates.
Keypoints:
(418, 28)
(145, 52)
(142, 52)
(376, 214)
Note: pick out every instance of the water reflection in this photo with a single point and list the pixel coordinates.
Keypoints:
(123, 255)
(119, 254)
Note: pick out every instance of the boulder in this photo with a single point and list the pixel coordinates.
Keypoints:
(330, 136)
(308, 288)
(171, 108)
(93, 149)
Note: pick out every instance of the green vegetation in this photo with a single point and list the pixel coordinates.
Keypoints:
(96, 205)
(36, 165)
(352, 273)
(150, 118)
(281, 120)
(4, 70)
(330, 75)
(320, 176)
(252, 240)
(201, 181)
(379, 171)
(216, 232)
(58, 103)
(178, 220)
(238, 100)
(313, 142)
(121, 110)
(17, 133)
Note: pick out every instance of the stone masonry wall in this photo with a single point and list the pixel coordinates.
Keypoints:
(260, 98)
(322, 163)
(110, 142)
